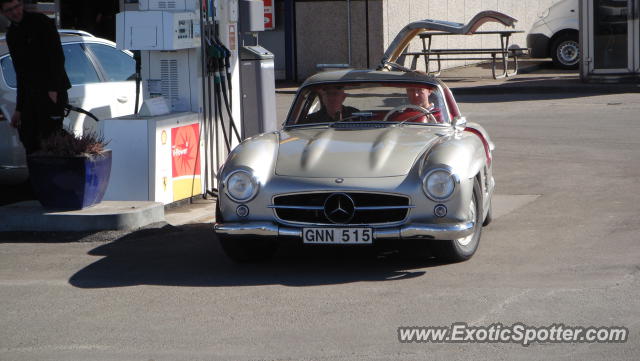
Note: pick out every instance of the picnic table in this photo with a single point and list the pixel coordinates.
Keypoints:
(504, 53)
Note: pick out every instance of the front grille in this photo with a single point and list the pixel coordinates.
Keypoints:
(370, 208)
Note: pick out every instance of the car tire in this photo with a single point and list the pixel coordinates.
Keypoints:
(489, 218)
(462, 249)
(565, 51)
(245, 249)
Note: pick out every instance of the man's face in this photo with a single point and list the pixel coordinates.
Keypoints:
(332, 99)
(13, 10)
(419, 96)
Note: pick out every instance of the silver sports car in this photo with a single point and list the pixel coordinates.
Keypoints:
(382, 166)
(365, 157)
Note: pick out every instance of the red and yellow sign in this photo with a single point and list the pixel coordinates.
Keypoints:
(269, 23)
(232, 37)
(185, 161)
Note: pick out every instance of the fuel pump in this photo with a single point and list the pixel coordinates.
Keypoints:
(219, 65)
(173, 145)
(257, 73)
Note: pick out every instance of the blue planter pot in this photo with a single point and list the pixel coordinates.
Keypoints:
(69, 182)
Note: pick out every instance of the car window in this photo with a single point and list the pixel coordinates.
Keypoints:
(78, 66)
(118, 65)
(8, 72)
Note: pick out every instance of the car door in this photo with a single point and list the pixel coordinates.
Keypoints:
(118, 67)
(86, 89)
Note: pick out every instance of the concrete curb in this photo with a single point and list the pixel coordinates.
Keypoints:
(30, 216)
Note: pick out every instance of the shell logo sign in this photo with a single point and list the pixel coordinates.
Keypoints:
(185, 161)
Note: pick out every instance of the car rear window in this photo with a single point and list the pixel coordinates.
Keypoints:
(8, 72)
(117, 65)
(78, 66)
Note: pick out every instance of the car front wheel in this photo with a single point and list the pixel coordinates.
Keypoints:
(462, 249)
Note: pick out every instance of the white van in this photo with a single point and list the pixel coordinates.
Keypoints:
(555, 35)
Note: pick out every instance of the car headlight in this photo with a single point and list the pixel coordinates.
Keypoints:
(439, 184)
(241, 186)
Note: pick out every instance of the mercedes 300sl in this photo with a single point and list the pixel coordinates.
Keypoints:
(365, 157)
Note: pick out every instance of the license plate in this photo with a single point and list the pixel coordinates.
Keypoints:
(337, 235)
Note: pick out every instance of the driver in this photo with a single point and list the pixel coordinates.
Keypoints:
(332, 109)
(420, 96)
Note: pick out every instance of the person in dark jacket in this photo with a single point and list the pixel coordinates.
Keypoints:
(38, 58)
(332, 109)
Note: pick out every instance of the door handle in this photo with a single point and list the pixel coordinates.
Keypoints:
(123, 99)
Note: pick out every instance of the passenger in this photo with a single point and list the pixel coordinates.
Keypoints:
(332, 109)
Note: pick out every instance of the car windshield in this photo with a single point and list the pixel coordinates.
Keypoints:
(396, 103)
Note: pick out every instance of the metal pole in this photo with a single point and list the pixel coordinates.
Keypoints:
(349, 28)
(289, 40)
(203, 127)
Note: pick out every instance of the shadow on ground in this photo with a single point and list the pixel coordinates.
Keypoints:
(191, 256)
(14, 193)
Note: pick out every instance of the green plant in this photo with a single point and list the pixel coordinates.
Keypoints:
(67, 144)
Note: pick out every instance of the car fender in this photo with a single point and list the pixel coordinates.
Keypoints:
(463, 153)
(252, 154)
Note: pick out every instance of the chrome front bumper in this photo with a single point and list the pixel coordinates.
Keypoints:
(411, 231)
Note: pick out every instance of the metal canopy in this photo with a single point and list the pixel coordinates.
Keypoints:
(404, 37)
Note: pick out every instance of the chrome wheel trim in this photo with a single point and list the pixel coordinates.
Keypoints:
(472, 210)
(568, 52)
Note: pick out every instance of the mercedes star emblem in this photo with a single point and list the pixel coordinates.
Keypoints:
(339, 208)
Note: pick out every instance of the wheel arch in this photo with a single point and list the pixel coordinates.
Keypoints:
(560, 33)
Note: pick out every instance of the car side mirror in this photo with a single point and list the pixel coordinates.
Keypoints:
(459, 123)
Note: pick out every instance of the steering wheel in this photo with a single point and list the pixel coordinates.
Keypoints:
(404, 107)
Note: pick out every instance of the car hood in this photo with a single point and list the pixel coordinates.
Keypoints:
(348, 153)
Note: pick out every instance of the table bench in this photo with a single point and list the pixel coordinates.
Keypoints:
(504, 53)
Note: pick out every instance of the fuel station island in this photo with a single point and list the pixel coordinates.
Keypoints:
(202, 91)
(203, 84)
